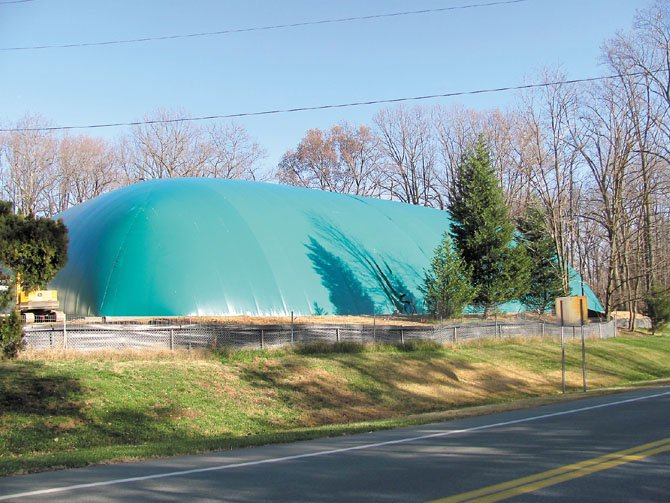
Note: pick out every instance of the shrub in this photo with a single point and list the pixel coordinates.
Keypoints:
(658, 308)
(11, 335)
(420, 345)
(320, 347)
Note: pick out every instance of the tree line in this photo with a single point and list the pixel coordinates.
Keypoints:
(591, 159)
(44, 173)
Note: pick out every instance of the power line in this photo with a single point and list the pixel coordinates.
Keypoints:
(327, 107)
(14, 1)
(261, 28)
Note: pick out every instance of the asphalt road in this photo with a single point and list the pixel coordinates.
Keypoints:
(613, 448)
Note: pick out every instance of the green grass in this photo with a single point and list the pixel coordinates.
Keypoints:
(71, 410)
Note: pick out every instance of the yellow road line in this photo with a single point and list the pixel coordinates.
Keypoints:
(532, 483)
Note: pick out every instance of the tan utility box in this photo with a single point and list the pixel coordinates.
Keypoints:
(572, 311)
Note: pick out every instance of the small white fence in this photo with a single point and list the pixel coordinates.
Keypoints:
(90, 337)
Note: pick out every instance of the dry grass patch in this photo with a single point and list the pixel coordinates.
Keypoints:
(107, 355)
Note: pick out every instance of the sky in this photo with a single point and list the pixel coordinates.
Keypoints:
(384, 58)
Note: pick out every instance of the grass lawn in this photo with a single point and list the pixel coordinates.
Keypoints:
(69, 409)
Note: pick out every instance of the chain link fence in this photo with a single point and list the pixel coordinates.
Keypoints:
(105, 336)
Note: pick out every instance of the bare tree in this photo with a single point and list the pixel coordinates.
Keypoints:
(646, 50)
(605, 142)
(358, 159)
(164, 147)
(28, 166)
(342, 159)
(232, 153)
(458, 130)
(642, 60)
(169, 146)
(312, 164)
(551, 159)
(407, 141)
(85, 168)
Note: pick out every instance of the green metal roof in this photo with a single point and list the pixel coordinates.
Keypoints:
(194, 246)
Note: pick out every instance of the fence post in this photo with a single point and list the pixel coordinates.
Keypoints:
(337, 334)
(600, 330)
(402, 337)
(262, 338)
(455, 336)
(614, 324)
(542, 327)
(292, 339)
(374, 327)
(171, 339)
(64, 331)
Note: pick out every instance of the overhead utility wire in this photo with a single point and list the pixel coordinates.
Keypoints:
(326, 107)
(14, 1)
(262, 28)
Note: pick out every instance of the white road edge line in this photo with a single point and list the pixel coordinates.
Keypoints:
(326, 453)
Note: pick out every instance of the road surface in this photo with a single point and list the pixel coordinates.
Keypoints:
(612, 448)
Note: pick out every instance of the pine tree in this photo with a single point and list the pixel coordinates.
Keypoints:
(447, 288)
(546, 282)
(483, 233)
(34, 248)
(657, 303)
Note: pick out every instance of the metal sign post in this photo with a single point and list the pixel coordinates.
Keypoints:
(562, 349)
(581, 313)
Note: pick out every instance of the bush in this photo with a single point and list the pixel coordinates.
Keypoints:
(658, 308)
(320, 347)
(420, 345)
(11, 335)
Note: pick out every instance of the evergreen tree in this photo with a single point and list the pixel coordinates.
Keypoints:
(447, 288)
(35, 249)
(483, 233)
(11, 335)
(657, 303)
(546, 281)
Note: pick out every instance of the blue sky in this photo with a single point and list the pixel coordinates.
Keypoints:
(442, 52)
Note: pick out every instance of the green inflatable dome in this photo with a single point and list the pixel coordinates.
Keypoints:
(209, 247)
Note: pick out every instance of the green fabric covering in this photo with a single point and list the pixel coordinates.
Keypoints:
(194, 246)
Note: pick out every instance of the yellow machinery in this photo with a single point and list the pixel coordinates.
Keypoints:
(38, 303)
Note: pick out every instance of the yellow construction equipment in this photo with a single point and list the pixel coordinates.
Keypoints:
(41, 303)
